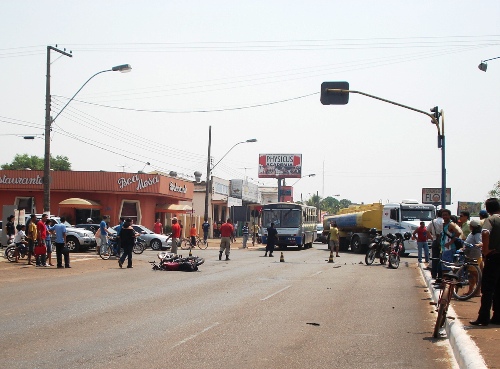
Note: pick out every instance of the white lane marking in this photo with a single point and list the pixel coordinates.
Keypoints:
(195, 335)
(271, 295)
(312, 275)
(83, 259)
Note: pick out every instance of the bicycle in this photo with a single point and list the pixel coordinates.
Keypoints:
(448, 283)
(108, 250)
(468, 272)
(200, 242)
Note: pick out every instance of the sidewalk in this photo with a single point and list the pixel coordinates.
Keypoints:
(473, 347)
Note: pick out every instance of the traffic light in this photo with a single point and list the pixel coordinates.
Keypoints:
(334, 98)
(436, 114)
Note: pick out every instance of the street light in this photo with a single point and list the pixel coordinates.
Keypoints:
(209, 168)
(49, 120)
(483, 65)
(309, 175)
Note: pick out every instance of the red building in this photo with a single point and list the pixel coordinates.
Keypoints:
(79, 195)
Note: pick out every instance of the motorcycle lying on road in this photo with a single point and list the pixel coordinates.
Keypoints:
(171, 261)
(378, 247)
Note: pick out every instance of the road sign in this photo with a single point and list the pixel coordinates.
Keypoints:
(433, 196)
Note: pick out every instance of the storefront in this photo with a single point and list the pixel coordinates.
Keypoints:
(80, 195)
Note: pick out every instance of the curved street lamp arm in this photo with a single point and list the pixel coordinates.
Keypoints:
(60, 111)
(236, 144)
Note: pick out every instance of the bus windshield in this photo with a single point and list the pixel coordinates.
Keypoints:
(282, 218)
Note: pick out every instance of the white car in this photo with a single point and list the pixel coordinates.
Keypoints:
(154, 240)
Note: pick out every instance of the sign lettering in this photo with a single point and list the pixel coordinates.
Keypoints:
(141, 183)
(21, 180)
(176, 188)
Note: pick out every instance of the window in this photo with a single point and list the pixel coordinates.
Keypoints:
(131, 209)
(25, 203)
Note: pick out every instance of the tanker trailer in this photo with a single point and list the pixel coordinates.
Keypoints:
(354, 223)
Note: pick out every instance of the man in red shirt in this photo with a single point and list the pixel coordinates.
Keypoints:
(421, 233)
(176, 234)
(41, 236)
(158, 227)
(226, 230)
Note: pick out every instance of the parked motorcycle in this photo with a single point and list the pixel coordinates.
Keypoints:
(378, 247)
(396, 249)
(10, 252)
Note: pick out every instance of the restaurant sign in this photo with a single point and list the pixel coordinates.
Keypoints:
(141, 183)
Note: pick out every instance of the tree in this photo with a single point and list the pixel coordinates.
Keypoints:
(34, 162)
(344, 203)
(495, 192)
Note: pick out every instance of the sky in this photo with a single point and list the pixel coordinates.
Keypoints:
(253, 69)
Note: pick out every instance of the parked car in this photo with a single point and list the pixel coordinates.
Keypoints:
(93, 227)
(154, 240)
(320, 237)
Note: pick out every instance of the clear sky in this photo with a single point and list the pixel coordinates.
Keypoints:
(253, 69)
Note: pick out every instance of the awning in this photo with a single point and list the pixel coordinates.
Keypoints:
(173, 208)
(76, 202)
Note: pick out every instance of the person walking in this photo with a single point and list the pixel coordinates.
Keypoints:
(60, 231)
(421, 235)
(334, 238)
(226, 230)
(127, 236)
(103, 228)
(176, 234)
(118, 245)
(206, 228)
(245, 232)
(490, 287)
(272, 237)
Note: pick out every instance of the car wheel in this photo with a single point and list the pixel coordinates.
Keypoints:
(155, 244)
(72, 244)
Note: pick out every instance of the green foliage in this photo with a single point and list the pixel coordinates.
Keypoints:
(329, 204)
(34, 162)
(495, 192)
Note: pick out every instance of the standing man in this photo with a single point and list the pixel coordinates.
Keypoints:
(434, 230)
(226, 231)
(490, 287)
(206, 228)
(465, 224)
(103, 228)
(193, 232)
(272, 237)
(41, 232)
(176, 234)
(245, 232)
(118, 244)
(334, 238)
(483, 215)
(10, 231)
(32, 236)
(158, 227)
(421, 235)
(60, 231)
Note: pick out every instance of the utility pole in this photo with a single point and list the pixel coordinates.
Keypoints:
(207, 181)
(48, 123)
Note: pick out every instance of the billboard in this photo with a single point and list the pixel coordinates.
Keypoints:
(472, 207)
(433, 196)
(280, 165)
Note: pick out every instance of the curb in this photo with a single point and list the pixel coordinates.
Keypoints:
(464, 348)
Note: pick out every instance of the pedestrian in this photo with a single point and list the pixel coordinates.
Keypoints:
(49, 223)
(60, 232)
(226, 230)
(245, 232)
(334, 238)
(158, 227)
(103, 228)
(465, 224)
(31, 236)
(117, 246)
(127, 236)
(10, 231)
(181, 236)
(483, 215)
(233, 235)
(193, 232)
(40, 248)
(255, 233)
(490, 287)
(434, 230)
(176, 234)
(20, 241)
(451, 232)
(206, 228)
(421, 235)
(475, 238)
(272, 237)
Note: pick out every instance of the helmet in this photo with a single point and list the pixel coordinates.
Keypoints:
(390, 237)
(407, 235)
(483, 214)
(373, 231)
(89, 220)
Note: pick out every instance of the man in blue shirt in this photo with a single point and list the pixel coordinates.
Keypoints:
(60, 231)
(206, 227)
(103, 228)
(118, 243)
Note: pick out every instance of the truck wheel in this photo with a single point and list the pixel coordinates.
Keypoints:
(356, 244)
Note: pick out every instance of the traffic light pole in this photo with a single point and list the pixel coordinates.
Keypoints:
(434, 118)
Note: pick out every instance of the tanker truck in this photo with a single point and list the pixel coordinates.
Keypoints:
(355, 221)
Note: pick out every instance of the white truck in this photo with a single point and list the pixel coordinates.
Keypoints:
(354, 222)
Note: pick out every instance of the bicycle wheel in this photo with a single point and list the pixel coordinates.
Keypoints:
(442, 311)
(9, 253)
(202, 244)
(185, 244)
(106, 253)
(138, 248)
(469, 280)
(370, 256)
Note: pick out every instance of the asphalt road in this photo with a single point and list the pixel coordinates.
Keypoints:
(250, 312)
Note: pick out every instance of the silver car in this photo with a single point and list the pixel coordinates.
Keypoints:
(154, 240)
